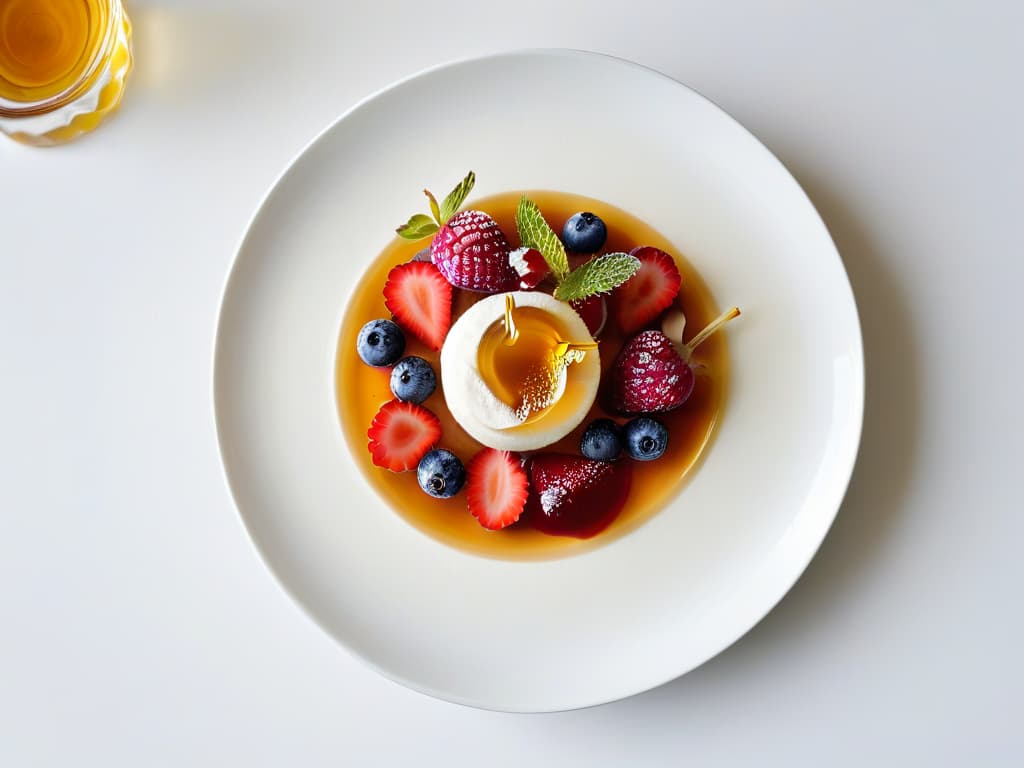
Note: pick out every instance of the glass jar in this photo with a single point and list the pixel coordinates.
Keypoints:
(63, 65)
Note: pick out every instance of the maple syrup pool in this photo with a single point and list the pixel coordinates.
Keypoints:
(361, 390)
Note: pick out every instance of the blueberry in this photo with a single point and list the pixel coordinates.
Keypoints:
(646, 438)
(584, 233)
(602, 441)
(380, 343)
(413, 380)
(441, 474)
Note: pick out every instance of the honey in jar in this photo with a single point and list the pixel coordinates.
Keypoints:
(62, 66)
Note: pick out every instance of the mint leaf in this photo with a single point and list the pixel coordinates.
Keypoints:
(534, 232)
(433, 206)
(419, 226)
(456, 197)
(598, 275)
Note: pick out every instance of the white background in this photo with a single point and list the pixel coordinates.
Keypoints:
(138, 627)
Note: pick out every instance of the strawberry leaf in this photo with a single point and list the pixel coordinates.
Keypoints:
(433, 206)
(599, 275)
(534, 232)
(419, 226)
(456, 198)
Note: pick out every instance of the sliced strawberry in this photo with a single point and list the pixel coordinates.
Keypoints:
(421, 300)
(530, 266)
(647, 293)
(573, 496)
(593, 310)
(496, 488)
(649, 375)
(401, 434)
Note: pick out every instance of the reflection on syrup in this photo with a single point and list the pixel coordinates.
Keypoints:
(362, 390)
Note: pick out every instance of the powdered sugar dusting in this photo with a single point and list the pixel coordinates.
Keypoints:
(556, 487)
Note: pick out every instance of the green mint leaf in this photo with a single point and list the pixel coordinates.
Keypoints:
(433, 206)
(456, 197)
(419, 226)
(534, 232)
(598, 275)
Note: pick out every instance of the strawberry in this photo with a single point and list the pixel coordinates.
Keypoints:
(530, 266)
(421, 301)
(472, 252)
(468, 248)
(401, 434)
(646, 294)
(649, 376)
(573, 496)
(593, 310)
(496, 488)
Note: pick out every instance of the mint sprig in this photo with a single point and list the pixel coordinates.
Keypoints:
(420, 225)
(599, 275)
(457, 197)
(534, 232)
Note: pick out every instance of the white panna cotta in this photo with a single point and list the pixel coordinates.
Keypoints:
(510, 397)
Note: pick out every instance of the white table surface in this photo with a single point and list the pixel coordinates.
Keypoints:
(138, 626)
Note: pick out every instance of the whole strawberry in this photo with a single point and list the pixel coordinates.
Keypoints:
(472, 252)
(649, 376)
(468, 248)
(653, 373)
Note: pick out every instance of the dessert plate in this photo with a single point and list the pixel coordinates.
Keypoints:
(646, 607)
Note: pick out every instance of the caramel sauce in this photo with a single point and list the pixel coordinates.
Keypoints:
(361, 390)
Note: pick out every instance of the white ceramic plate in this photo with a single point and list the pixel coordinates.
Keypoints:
(539, 636)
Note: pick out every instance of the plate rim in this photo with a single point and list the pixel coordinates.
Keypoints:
(844, 471)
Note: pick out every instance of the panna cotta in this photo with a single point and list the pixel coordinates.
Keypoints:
(523, 396)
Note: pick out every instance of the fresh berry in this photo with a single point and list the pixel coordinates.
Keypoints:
(400, 435)
(602, 440)
(649, 376)
(576, 497)
(653, 374)
(472, 252)
(413, 380)
(497, 488)
(584, 233)
(646, 438)
(529, 264)
(380, 343)
(440, 473)
(649, 292)
(421, 301)
(593, 310)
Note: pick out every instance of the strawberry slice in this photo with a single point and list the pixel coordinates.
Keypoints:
(573, 496)
(401, 434)
(421, 300)
(496, 488)
(647, 293)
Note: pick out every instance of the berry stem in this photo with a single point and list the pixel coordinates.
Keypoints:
(711, 327)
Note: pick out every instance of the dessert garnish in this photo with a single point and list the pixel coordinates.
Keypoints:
(497, 489)
(401, 434)
(653, 374)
